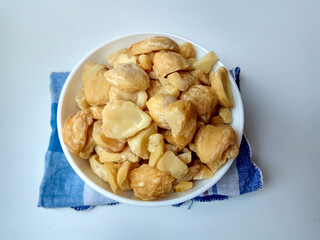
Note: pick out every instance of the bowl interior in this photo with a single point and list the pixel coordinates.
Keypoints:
(67, 106)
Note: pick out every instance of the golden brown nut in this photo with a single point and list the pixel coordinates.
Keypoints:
(170, 163)
(155, 86)
(171, 147)
(89, 146)
(225, 114)
(206, 62)
(181, 117)
(96, 167)
(157, 106)
(156, 148)
(108, 144)
(203, 99)
(137, 97)
(203, 78)
(123, 174)
(96, 88)
(151, 56)
(222, 87)
(203, 173)
(168, 62)
(121, 56)
(185, 157)
(128, 77)
(111, 169)
(212, 144)
(123, 119)
(188, 77)
(187, 50)
(81, 100)
(183, 186)
(168, 136)
(145, 62)
(96, 111)
(154, 44)
(193, 171)
(177, 81)
(139, 142)
(74, 132)
(148, 183)
(216, 120)
(199, 125)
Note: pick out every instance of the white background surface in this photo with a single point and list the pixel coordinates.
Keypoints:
(276, 44)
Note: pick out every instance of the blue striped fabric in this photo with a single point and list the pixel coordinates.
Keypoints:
(61, 186)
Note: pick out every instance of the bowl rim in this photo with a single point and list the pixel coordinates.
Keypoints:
(113, 196)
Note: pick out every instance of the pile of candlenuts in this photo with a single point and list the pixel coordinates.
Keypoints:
(155, 119)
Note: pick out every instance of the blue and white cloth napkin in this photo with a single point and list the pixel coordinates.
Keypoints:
(61, 186)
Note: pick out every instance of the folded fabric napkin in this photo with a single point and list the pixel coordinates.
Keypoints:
(61, 186)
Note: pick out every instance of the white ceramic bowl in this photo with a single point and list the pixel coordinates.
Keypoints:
(67, 106)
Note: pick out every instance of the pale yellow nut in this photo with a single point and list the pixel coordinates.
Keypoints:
(145, 62)
(206, 62)
(168, 136)
(137, 97)
(216, 120)
(96, 167)
(125, 155)
(203, 78)
(177, 81)
(151, 56)
(89, 146)
(181, 116)
(105, 156)
(188, 77)
(171, 147)
(153, 44)
(128, 77)
(183, 186)
(167, 62)
(81, 100)
(148, 183)
(155, 86)
(222, 87)
(153, 75)
(203, 98)
(191, 61)
(96, 111)
(171, 90)
(187, 50)
(111, 170)
(156, 148)
(185, 157)
(170, 163)
(108, 144)
(96, 88)
(225, 114)
(74, 131)
(203, 173)
(215, 144)
(121, 56)
(139, 142)
(192, 147)
(157, 106)
(123, 119)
